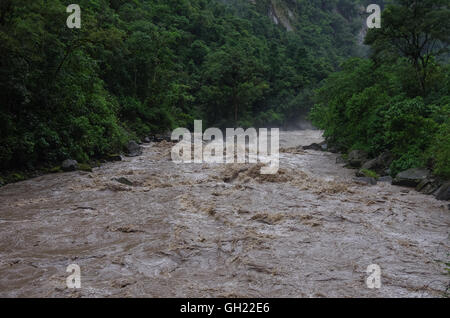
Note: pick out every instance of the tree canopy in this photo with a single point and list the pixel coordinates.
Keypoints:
(138, 66)
(398, 100)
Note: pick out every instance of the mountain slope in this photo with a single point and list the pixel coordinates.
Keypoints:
(137, 67)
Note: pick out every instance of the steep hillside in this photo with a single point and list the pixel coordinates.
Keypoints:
(339, 25)
(137, 67)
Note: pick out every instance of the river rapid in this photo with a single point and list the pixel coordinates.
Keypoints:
(213, 230)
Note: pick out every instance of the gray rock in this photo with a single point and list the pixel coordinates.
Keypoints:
(313, 146)
(133, 149)
(411, 177)
(124, 181)
(69, 165)
(365, 180)
(428, 186)
(371, 164)
(387, 179)
(146, 140)
(356, 158)
(443, 193)
(379, 164)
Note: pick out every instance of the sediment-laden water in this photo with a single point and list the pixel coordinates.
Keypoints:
(196, 230)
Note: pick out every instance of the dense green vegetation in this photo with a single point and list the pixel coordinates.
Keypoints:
(398, 100)
(140, 66)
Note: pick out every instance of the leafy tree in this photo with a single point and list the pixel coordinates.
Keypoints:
(146, 66)
(373, 104)
(415, 29)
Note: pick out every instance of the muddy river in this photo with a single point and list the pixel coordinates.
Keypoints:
(212, 230)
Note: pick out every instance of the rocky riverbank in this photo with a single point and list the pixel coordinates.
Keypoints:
(373, 170)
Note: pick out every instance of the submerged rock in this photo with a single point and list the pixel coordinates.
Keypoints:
(411, 177)
(124, 181)
(69, 165)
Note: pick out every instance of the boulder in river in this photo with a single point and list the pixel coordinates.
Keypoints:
(387, 179)
(313, 146)
(428, 186)
(124, 181)
(356, 158)
(69, 165)
(370, 165)
(146, 140)
(379, 164)
(411, 177)
(133, 149)
(443, 193)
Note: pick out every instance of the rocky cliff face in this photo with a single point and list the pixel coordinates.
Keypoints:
(348, 14)
(327, 27)
(280, 13)
(287, 13)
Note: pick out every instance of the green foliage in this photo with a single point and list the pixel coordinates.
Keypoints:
(381, 104)
(15, 177)
(440, 150)
(140, 67)
(84, 167)
(416, 30)
(55, 169)
(369, 173)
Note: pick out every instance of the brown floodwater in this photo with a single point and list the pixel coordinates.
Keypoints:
(212, 230)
